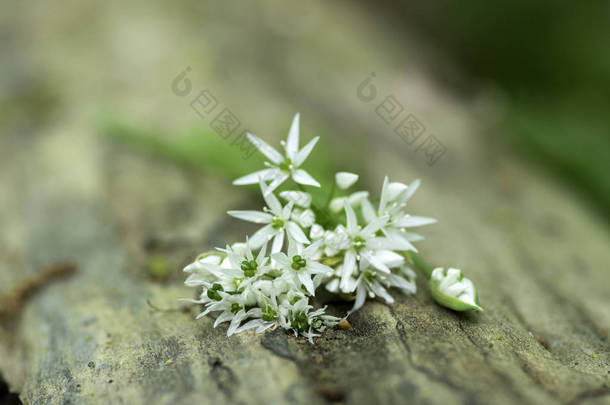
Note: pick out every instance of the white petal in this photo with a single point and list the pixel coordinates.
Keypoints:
(302, 177)
(253, 178)
(251, 324)
(318, 268)
(378, 264)
(277, 181)
(410, 191)
(306, 280)
(278, 242)
(384, 196)
(266, 149)
(333, 285)
(391, 243)
(360, 298)
(287, 210)
(260, 259)
(411, 221)
(351, 221)
(381, 292)
(368, 212)
(304, 153)
(311, 249)
(252, 216)
(389, 258)
(349, 265)
(271, 200)
(292, 142)
(372, 227)
(296, 232)
(281, 258)
(224, 317)
(345, 179)
(398, 240)
(262, 236)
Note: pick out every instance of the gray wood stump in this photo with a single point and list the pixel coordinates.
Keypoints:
(114, 333)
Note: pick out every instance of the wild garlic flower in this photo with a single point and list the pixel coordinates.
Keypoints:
(376, 284)
(452, 290)
(278, 220)
(296, 314)
(362, 246)
(394, 197)
(300, 264)
(281, 166)
(360, 256)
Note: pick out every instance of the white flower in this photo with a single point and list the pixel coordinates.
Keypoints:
(364, 245)
(300, 265)
(452, 290)
(345, 179)
(281, 166)
(296, 314)
(278, 220)
(394, 197)
(375, 284)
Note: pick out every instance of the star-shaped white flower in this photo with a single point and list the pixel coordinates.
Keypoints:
(300, 265)
(278, 222)
(363, 247)
(394, 197)
(281, 167)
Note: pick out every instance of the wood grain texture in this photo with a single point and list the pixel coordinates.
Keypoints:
(537, 254)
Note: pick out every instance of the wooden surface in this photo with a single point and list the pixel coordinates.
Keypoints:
(537, 253)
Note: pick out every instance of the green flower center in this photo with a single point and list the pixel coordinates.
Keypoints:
(286, 165)
(213, 292)
(249, 267)
(359, 242)
(235, 308)
(269, 314)
(298, 262)
(277, 223)
(300, 322)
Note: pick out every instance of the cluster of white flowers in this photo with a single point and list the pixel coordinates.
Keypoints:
(350, 247)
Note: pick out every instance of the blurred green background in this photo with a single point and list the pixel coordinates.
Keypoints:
(550, 60)
(542, 67)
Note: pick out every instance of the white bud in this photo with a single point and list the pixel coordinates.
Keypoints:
(345, 179)
(316, 232)
(299, 198)
(304, 218)
(452, 290)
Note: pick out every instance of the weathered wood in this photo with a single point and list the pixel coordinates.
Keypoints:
(538, 256)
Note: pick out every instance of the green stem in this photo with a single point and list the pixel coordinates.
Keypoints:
(421, 265)
(330, 195)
